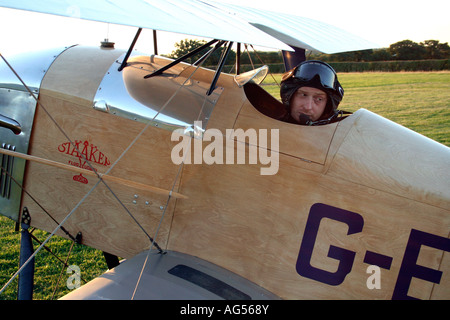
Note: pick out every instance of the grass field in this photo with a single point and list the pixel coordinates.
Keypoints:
(417, 100)
(47, 267)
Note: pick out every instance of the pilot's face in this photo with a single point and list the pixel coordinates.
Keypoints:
(308, 101)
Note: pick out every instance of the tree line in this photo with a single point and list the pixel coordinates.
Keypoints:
(402, 50)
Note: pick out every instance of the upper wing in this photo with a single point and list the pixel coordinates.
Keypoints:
(206, 19)
(190, 17)
(299, 31)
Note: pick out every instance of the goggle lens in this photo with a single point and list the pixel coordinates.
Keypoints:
(308, 71)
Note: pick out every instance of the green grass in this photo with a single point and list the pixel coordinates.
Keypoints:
(47, 266)
(417, 100)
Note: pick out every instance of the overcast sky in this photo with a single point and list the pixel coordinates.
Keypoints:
(383, 22)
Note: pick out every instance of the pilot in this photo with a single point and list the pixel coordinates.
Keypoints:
(311, 94)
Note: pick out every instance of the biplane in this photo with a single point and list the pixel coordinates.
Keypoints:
(357, 209)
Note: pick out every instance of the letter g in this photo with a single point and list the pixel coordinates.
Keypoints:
(304, 268)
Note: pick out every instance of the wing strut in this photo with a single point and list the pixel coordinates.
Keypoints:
(219, 69)
(209, 53)
(193, 52)
(155, 43)
(125, 60)
(292, 59)
(238, 59)
(170, 65)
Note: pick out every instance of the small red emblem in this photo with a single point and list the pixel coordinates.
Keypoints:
(80, 178)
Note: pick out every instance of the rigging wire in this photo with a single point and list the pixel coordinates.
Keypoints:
(72, 238)
(261, 60)
(51, 252)
(62, 271)
(49, 237)
(76, 148)
(59, 226)
(89, 192)
(198, 64)
(67, 233)
(249, 57)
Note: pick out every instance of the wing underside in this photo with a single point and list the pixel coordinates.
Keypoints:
(206, 19)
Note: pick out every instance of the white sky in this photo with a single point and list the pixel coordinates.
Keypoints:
(383, 22)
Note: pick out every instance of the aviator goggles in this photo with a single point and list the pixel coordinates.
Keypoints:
(307, 71)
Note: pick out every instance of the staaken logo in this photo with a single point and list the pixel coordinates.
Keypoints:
(83, 151)
(83, 148)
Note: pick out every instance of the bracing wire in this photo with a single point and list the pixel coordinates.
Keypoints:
(59, 226)
(89, 192)
(176, 176)
(74, 145)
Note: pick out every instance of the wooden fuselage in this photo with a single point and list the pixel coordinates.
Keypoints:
(345, 196)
